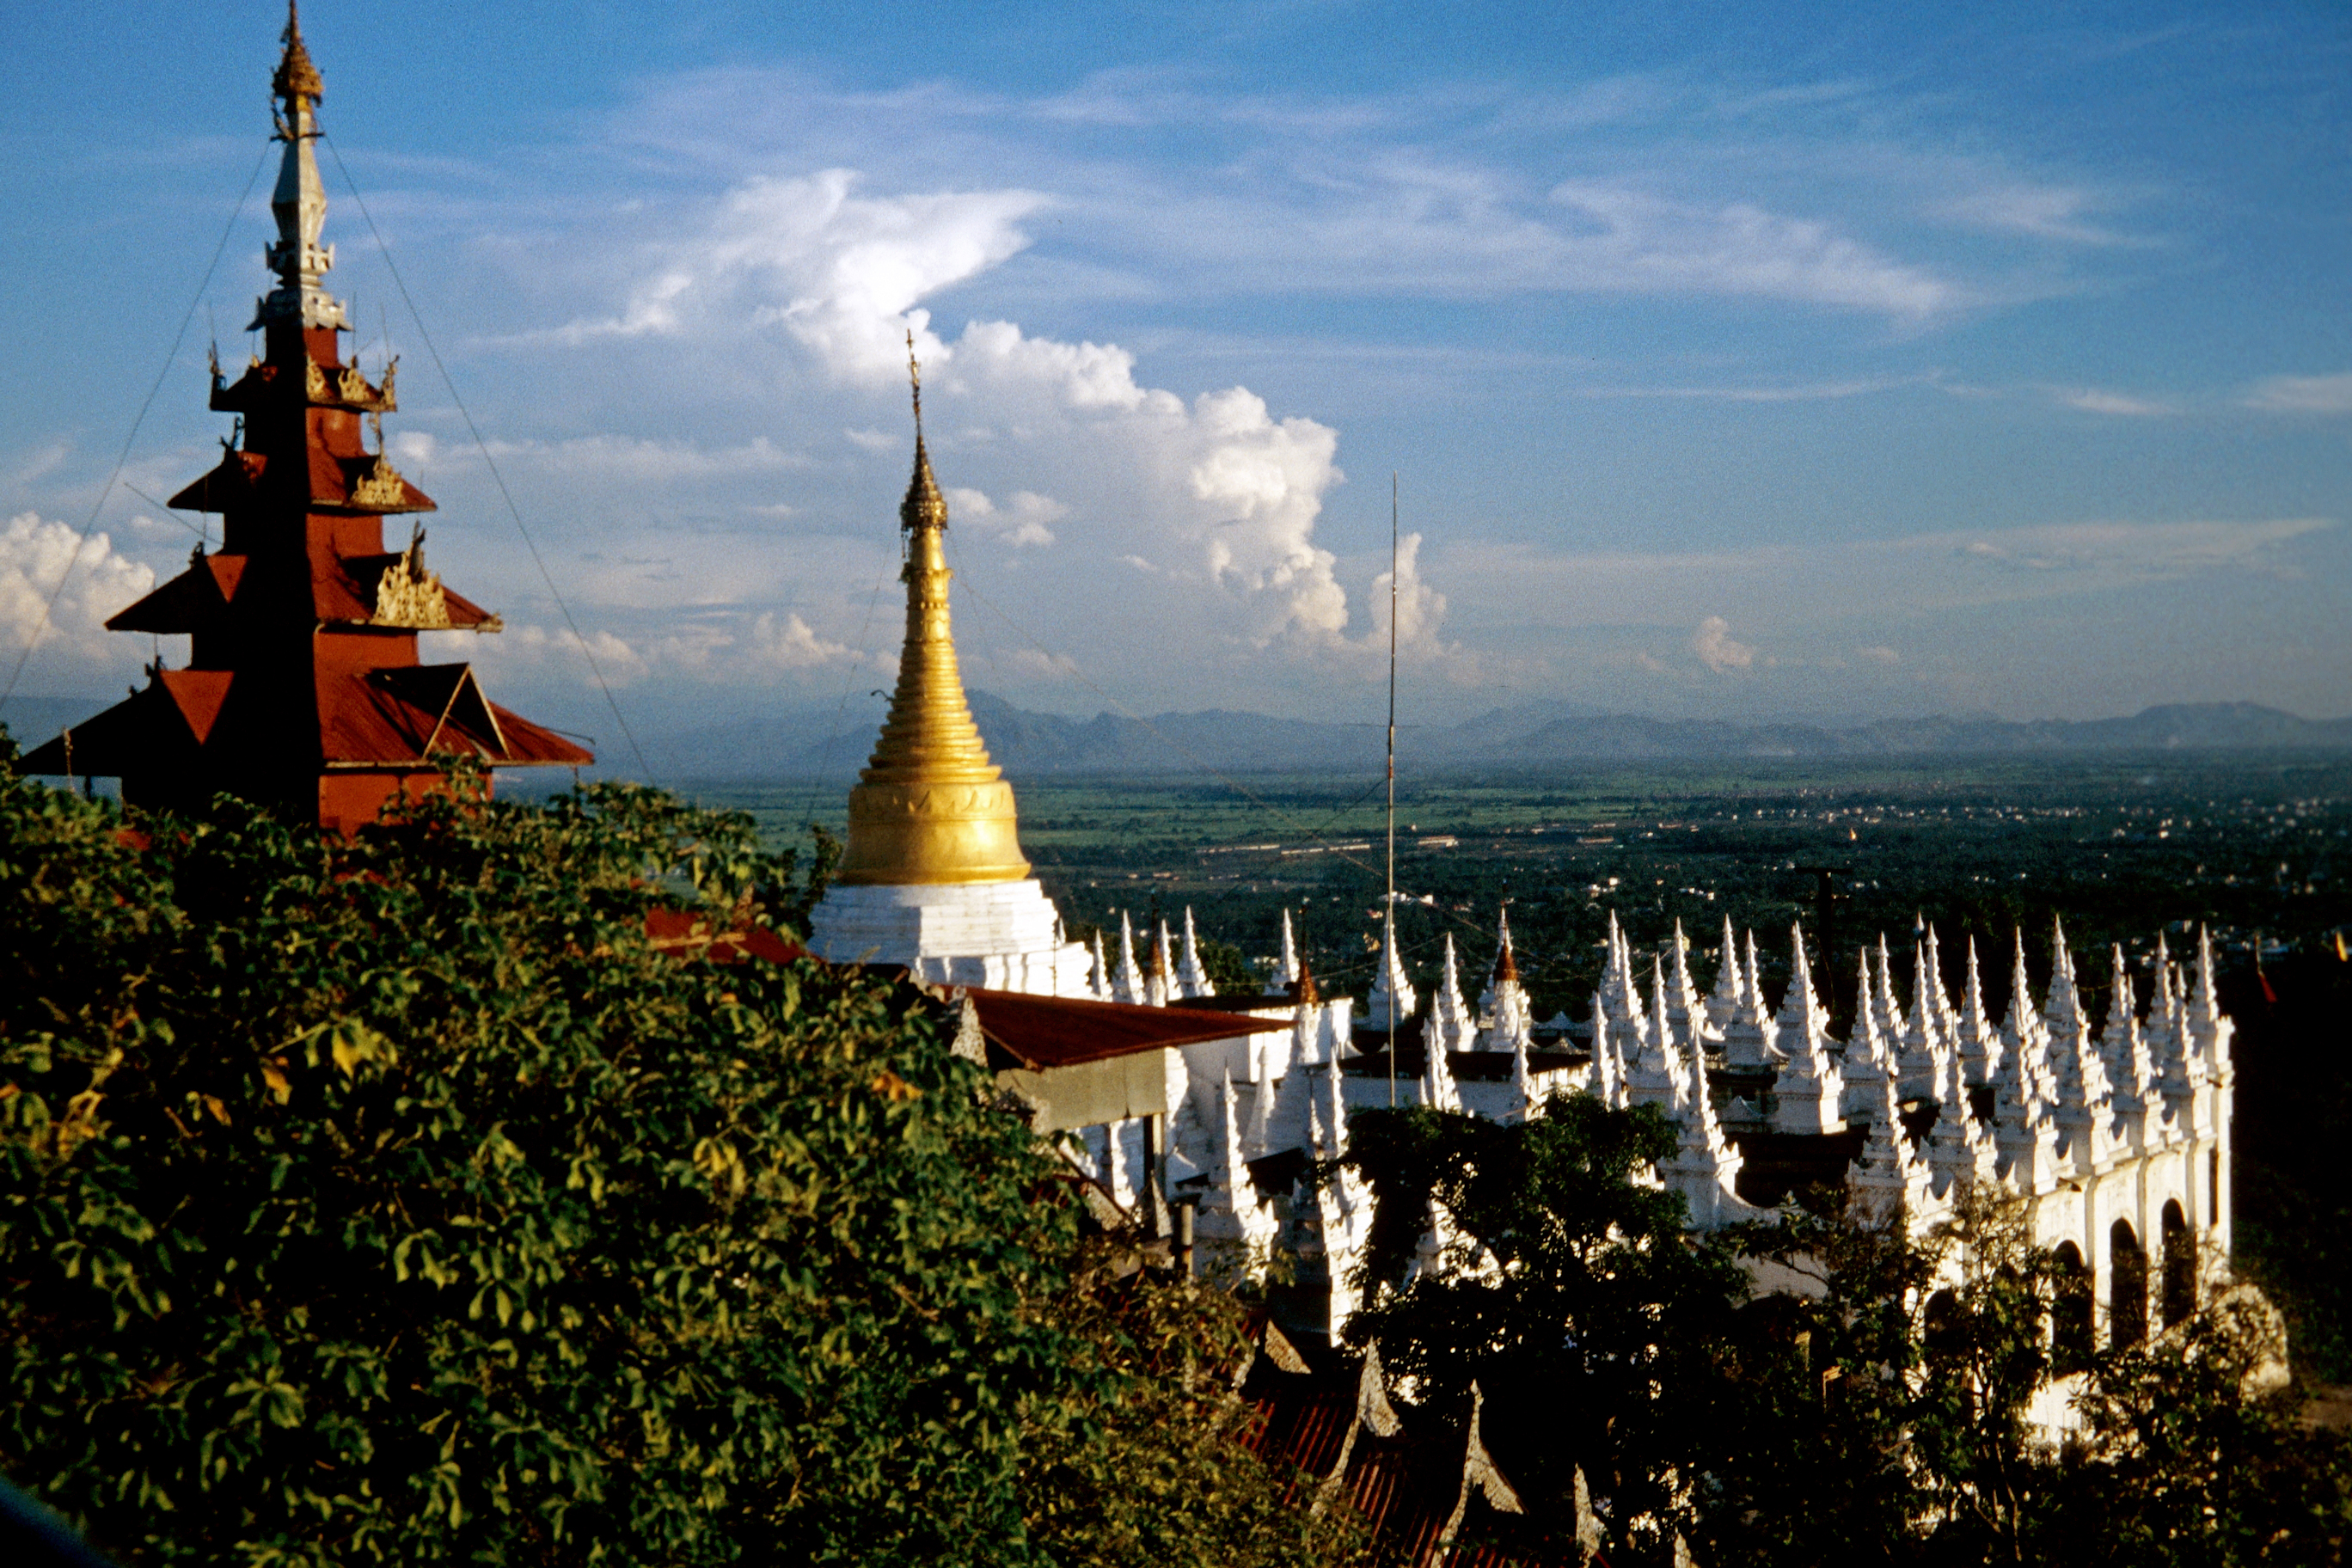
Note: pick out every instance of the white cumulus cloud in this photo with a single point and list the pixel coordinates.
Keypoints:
(1717, 648)
(98, 581)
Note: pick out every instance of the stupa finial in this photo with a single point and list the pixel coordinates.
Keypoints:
(925, 506)
(297, 80)
(299, 201)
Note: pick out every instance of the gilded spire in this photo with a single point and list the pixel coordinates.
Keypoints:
(930, 807)
(297, 77)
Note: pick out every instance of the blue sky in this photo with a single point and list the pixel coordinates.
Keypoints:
(1750, 360)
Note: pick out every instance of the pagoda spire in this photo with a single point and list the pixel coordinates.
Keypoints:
(300, 199)
(304, 690)
(930, 806)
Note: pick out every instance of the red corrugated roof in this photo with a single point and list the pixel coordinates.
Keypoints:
(1063, 1031)
(407, 714)
(189, 602)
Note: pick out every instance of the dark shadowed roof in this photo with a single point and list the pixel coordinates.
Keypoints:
(1063, 1031)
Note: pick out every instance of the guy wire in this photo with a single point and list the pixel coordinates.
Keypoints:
(492, 463)
(1388, 910)
(41, 626)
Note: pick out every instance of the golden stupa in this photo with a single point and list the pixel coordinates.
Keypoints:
(930, 806)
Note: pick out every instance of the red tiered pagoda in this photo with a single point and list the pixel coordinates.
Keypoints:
(304, 692)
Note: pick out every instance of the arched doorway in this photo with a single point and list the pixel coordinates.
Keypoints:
(2127, 1286)
(2070, 1312)
(2179, 1298)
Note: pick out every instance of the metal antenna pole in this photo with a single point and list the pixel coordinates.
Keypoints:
(1388, 909)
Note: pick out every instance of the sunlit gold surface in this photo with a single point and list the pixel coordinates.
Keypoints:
(931, 806)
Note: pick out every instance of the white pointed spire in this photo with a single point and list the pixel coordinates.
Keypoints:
(1923, 1045)
(2122, 1048)
(1192, 979)
(1888, 1176)
(1945, 1014)
(1233, 1200)
(1746, 1022)
(1890, 1007)
(1806, 1094)
(1730, 983)
(1160, 972)
(2205, 1000)
(1980, 1049)
(1654, 1077)
(1869, 1062)
(1438, 1090)
(2025, 1040)
(1505, 961)
(2080, 1088)
(1608, 1071)
(1127, 983)
(1098, 972)
(1958, 1153)
(1507, 1019)
(2167, 1032)
(1704, 1165)
(1800, 1009)
(1286, 972)
(1868, 1039)
(1683, 996)
(1392, 996)
(1449, 1025)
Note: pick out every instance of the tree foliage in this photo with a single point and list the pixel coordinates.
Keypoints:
(1872, 1397)
(1573, 1295)
(398, 1200)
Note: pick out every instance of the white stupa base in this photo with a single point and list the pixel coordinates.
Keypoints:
(999, 935)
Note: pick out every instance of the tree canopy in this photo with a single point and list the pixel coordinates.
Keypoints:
(1825, 1388)
(400, 1200)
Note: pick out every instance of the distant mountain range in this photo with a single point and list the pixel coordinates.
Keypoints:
(793, 743)
(1026, 743)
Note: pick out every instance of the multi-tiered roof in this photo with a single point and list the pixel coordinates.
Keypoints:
(303, 689)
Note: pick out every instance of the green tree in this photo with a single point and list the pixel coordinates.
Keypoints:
(398, 1200)
(1575, 1295)
(1824, 1388)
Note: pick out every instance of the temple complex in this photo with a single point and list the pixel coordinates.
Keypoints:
(1195, 1114)
(1226, 1106)
(303, 690)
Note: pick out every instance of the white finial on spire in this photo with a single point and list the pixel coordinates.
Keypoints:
(1286, 974)
(1806, 1094)
(1158, 975)
(1192, 979)
(1392, 997)
(1449, 1027)
(1127, 984)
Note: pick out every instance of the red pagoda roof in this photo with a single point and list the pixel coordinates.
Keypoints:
(236, 482)
(401, 717)
(410, 713)
(341, 589)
